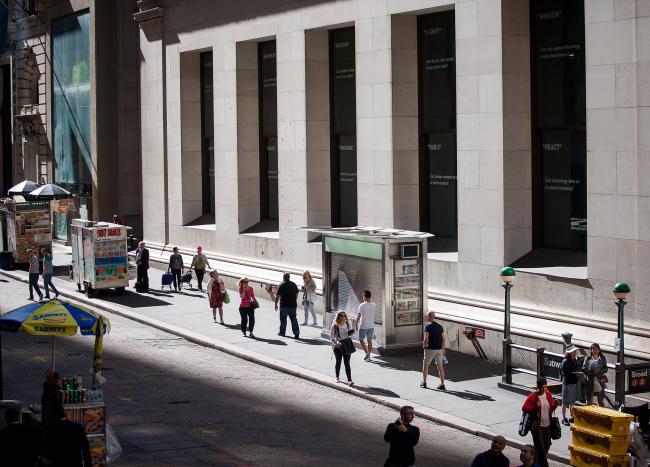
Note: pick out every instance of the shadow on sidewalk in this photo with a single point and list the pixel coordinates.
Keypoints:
(135, 300)
(461, 367)
(377, 391)
(269, 341)
(467, 395)
(305, 340)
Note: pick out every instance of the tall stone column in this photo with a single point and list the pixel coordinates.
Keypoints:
(153, 120)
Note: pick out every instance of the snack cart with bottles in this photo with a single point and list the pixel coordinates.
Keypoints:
(99, 255)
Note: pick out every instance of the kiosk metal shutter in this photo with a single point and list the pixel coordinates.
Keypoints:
(350, 276)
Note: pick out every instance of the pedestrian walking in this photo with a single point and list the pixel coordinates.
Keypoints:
(66, 442)
(595, 367)
(176, 267)
(365, 324)
(19, 446)
(570, 379)
(493, 457)
(434, 350)
(542, 404)
(246, 310)
(402, 436)
(33, 275)
(216, 291)
(287, 295)
(341, 336)
(142, 266)
(527, 456)
(48, 272)
(199, 263)
(308, 298)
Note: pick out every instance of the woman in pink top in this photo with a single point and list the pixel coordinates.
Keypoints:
(246, 311)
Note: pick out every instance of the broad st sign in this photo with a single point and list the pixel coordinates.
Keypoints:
(637, 380)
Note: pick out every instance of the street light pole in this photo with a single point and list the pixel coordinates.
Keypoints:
(621, 291)
(507, 276)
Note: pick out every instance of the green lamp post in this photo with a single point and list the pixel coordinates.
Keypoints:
(507, 275)
(621, 291)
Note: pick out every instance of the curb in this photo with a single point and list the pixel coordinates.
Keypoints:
(428, 413)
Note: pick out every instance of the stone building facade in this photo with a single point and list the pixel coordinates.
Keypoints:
(74, 117)
(209, 184)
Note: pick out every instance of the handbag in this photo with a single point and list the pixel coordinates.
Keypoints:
(556, 428)
(526, 422)
(253, 303)
(347, 347)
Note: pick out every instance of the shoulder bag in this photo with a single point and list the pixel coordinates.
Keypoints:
(347, 346)
(253, 302)
(525, 423)
(556, 428)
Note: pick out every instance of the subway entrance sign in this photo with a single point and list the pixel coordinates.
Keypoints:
(637, 380)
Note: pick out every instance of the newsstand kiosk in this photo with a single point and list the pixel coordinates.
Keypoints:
(391, 263)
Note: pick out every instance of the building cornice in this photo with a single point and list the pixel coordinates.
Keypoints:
(149, 10)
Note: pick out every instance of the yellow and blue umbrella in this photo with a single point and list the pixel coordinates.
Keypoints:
(55, 318)
(58, 318)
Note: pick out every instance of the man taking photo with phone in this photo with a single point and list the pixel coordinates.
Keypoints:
(402, 437)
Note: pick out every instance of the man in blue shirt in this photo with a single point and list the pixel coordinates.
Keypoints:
(434, 349)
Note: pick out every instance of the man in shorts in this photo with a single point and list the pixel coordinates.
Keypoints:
(366, 324)
(434, 349)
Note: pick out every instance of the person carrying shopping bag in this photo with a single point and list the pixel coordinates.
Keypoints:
(341, 335)
(247, 306)
(542, 405)
(216, 295)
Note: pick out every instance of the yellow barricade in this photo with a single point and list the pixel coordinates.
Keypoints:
(602, 420)
(600, 442)
(582, 457)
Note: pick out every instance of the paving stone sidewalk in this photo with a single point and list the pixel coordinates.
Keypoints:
(472, 401)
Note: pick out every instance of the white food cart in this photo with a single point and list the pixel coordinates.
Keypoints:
(24, 224)
(99, 255)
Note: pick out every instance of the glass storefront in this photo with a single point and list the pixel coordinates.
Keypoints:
(268, 102)
(73, 165)
(437, 123)
(343, 125)
(559, 124)
(207, 134)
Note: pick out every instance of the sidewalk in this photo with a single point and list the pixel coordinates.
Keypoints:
(472, 403)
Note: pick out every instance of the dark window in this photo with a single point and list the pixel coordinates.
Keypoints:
(437, 124)
(343, 116)
(559, 130)
(268, 108)
(207, 133)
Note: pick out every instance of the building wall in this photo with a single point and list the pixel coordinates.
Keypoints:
(495, 218)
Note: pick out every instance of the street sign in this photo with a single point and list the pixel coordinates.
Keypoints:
(479, 333)
(637, 380)
(553, 366)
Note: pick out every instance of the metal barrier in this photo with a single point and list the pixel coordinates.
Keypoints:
(549, 365)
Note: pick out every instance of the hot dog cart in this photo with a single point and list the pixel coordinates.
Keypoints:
(391, 264)
(99, 255)
(24, 224)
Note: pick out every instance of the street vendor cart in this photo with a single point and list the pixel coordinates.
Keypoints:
(24, 224)
(99, 255)
(81, 404)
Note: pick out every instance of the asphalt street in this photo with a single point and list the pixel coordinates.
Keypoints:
(172, 402)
